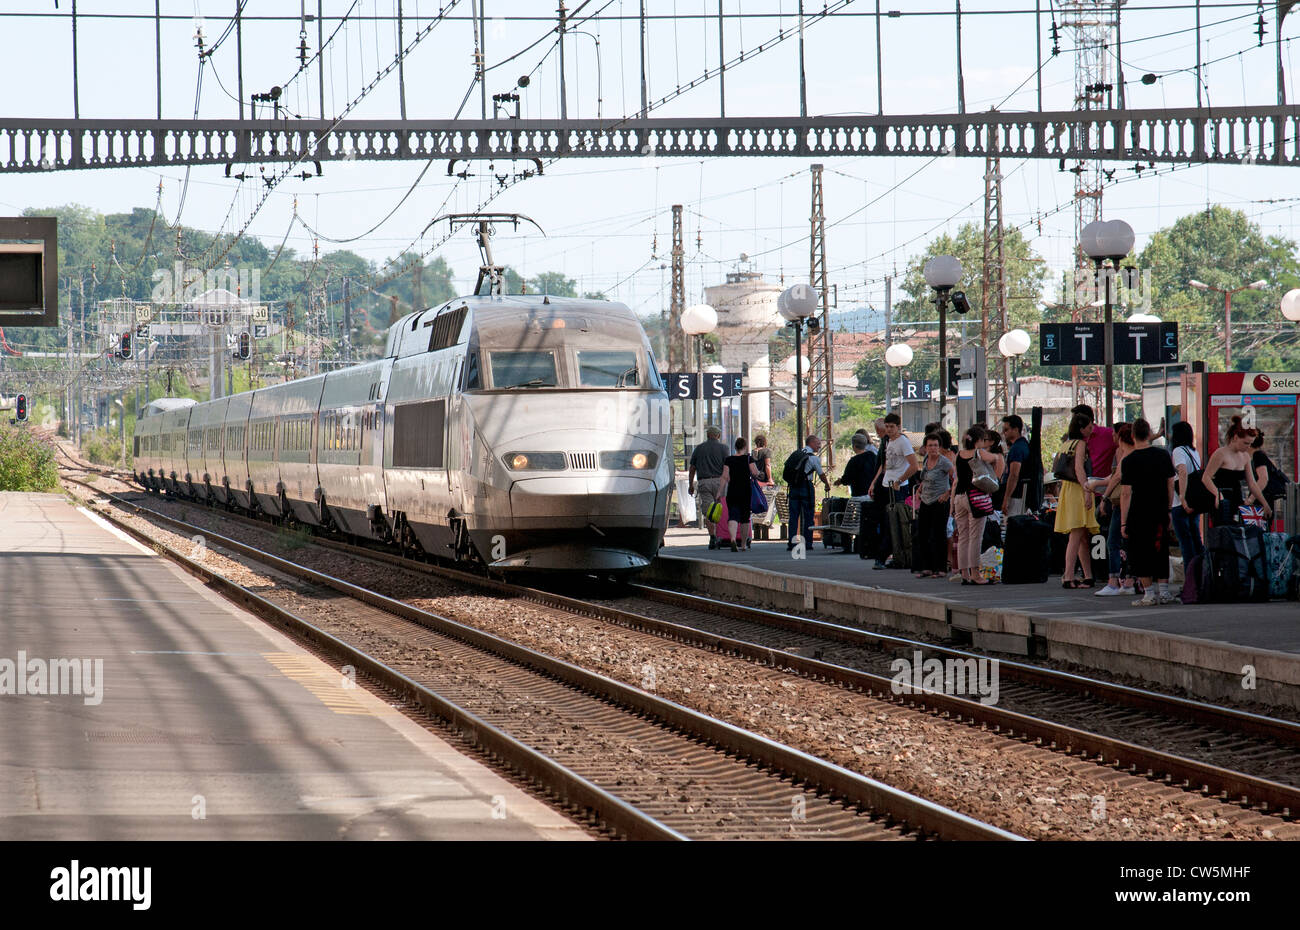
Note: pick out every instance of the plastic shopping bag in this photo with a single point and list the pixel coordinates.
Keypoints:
(685, 501)
(991, 564)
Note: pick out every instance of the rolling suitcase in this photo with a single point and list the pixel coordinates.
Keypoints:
(900, 534)
(1193, 572)
(1027, 555)
(1281, 568)
(1235, 567)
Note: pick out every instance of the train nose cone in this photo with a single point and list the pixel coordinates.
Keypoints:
(578, 501)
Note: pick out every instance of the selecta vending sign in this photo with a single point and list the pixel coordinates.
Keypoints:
(1271, 384)
(1269, 401)
(1234, 388)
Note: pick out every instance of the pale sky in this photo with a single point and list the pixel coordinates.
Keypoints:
(606, 219)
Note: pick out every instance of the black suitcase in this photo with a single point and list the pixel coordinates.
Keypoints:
(1096, 551)
(1235, 567)
(1027, 555)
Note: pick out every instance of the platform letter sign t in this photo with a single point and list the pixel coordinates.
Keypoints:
(1083, 336)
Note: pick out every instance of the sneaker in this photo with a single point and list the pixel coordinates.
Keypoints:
(1130, 590)
(1111, 591)
(879, 564)
(1168, 598)
(733, 546)
(713, 543)
(1149, 600)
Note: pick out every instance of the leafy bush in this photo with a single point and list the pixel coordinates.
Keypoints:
(104, 447)
(26, 463)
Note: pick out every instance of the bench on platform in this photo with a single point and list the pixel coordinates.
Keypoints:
(848, 521)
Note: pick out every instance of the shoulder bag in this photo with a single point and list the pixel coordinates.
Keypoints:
(982, 475)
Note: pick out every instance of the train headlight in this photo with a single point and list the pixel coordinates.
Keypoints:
(628, 460)
(534, 461)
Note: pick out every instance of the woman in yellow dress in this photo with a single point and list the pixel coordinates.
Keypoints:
(1074, 510)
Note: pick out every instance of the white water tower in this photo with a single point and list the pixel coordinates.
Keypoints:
(747, 320)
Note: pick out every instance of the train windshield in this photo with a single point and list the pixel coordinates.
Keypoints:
(605, 368)
(523, 369)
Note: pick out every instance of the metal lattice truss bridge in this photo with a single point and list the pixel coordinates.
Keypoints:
(1265, 135)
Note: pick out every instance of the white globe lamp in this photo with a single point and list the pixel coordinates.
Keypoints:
(899, 355)
(699, 319)
(797, 302)
(1291, 305)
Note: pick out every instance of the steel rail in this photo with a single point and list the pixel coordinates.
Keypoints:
(852, 787)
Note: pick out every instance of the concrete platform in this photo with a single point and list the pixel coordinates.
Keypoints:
(1216, 651)
(203, 722)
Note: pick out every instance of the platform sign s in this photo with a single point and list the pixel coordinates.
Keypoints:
(723, 384)
(681, 385)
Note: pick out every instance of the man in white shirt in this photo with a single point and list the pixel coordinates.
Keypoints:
(897, 466)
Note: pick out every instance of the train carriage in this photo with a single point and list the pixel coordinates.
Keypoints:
(236, 478)
(523, 433)
(206, 463)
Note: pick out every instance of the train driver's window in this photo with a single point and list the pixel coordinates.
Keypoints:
(607, 368)
(655, 381)
(472, 379)
(523, 369)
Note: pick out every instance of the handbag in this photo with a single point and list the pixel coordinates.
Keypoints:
(981, 503)
(1063, 464)
(713, 513)
(757, 500)
(981, 475)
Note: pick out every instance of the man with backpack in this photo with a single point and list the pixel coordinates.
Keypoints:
(801, 469)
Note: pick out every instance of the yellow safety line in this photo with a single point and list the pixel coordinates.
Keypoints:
(327, 686)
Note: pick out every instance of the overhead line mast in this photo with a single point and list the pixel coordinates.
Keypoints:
(821, 357)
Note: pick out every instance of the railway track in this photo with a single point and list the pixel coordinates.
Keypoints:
(641, 766)
(1191, 738)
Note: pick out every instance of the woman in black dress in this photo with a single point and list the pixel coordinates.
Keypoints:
(737, 471)
(1227, 470)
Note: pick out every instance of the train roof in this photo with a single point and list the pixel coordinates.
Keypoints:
(164, 404)
(508, 311)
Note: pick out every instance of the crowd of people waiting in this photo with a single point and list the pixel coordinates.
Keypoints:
(947, 493)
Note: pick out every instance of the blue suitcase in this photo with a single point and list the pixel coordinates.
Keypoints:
(1280, 564)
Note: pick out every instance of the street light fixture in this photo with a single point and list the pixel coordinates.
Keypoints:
(942, 274)
(698, 320)
(1013, 344)
(797, 305)
(1291, 305)
(899, 356)
(1102, 240)
(1227, 310)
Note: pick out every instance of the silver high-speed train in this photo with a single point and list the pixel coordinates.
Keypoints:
(520, 432)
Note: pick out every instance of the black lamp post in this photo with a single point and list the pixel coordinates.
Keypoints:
(1101, 240)
(798, 304)
(942, 274)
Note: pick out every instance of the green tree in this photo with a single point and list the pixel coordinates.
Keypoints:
(1223, 248)
(856, 413)
(553, 283)
(1025, 275)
